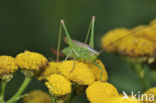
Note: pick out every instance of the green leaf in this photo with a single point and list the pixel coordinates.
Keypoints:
(80, 99)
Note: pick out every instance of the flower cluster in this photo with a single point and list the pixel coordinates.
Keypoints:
(61, 75)
(67, 73)
(58, 76)
(30, 63)
(138, 43)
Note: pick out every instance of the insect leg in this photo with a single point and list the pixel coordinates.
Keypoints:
(68, 55)
(74, 58)
(90, 25)
(91, 42)
(59, 43)
(76, 53)
(72, 50)
(73, 65)
(99, 66)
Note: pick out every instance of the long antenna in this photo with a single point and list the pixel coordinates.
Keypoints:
(130, 34)
(59, 43)
(90, 25)
(91, 43)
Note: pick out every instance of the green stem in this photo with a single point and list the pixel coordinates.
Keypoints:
(139, 68)
(20, 90)
(153, 73)
(71, 95)
(140, 71)
(2, 90)
(53, 99)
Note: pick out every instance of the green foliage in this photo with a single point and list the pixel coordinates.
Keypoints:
(80, 99)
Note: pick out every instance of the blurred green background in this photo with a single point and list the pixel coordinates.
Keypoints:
(33, 25)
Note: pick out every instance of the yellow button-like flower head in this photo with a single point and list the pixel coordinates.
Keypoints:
(37, 96)
(148, 32)
(58, 85)
(137, 46)
(112, 36)
(31, 61)
(78, 72)
(153, 23)
(99, 92)
(7, 67)
(97, 71)
(140, 44)
(52, 68)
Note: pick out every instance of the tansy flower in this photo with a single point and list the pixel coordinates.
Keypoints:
(153, 21)
(52, 68)
(137, 46)
(111, 36)
(58, 85)
(37, 96)
(153, 24)
(99, 92)
(78, 72)
(7, 67)
(31, 62)
(147, 32)
(150, 93)
(97, 71)
(119, 99)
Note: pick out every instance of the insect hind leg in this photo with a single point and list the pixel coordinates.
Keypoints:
(68, 55)
(73, 65)
(102, 69)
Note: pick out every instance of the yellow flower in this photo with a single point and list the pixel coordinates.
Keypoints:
(58, 85)
(37, 96)
(80, 73)
(151, 92)
(7, 66)
(141, 43)
(153, 25)
(118, 99)
(148, 32)
(52, 68)
(31, 61)
(112, 36)
(99, 92)
(137, 46)
(97, 71)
